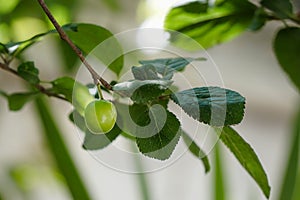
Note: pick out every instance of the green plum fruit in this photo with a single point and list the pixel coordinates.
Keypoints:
(100, 116)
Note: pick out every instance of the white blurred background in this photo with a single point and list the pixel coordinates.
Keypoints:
(247, 65)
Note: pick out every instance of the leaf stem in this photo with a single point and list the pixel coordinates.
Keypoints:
(96, 77)
(295, 20)
(99, 91)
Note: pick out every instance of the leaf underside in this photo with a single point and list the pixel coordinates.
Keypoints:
(92, 141)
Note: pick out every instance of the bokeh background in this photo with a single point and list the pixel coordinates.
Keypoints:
(247, 64)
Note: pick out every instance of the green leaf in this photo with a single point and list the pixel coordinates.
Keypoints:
(16, 48)
(62, 157)
(63, 86)
(196, 150)
(92, 141)
(161, 144)
(209, 24)
(128, 88)
(68, 56)
(165, 66)
(95, 142)
(246, 156)
(148, 120)
(145, 72)
(287, 48)
(147, 93)
(18, 100)
(88, 36)
(259, 20)
(3, 48)
(281, 8)
(29, 73)
(288, 187)
(75, 92)
(177, 64)
(212, 105)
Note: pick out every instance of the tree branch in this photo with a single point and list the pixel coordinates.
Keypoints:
(96, 77)
(39, 87)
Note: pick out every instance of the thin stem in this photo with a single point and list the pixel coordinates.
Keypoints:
(5, 67)
(295, 20)
(99, 91)
(285, 24)
(2, 57)
(96, 77)
(292, 19)
(37, 86)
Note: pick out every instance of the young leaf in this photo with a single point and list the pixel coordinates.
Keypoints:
(88, 36)
(209, 24)
(281, 8)
(145, 72)
(162, 144)
(212, 105)
(16, 48)
(92, 141)
(246, 156)
(18, 100)
(288, 187)
(259, 19)
(127, 88)
(169, 64)
(196, 150)
(28, 72)
(63, 86)
(287, 48)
